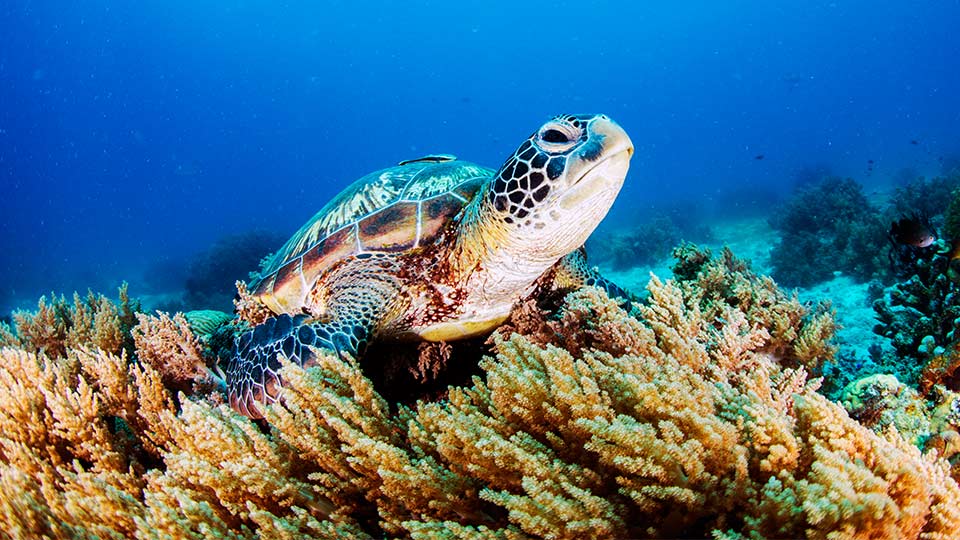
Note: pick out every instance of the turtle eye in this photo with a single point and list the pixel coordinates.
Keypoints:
(554, 136)
(558, 136)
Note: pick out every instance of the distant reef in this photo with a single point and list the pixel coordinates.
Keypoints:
(649, 241)
(830, 226)
(206, 281)
(699, 418)
(826, 227)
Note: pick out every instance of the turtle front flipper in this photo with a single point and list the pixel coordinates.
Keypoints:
(572, 272)
(361, 297)
(252, 377)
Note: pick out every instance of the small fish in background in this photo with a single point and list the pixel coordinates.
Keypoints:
(869, 166)
(914, 230)
(914, 142)
(758, 157)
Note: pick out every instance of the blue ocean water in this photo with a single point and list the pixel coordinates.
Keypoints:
(134, 135)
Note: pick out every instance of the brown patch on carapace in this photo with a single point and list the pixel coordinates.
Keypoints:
(438, 212)
(312, 257)
(288, 289)
(392, 229)
(295, 279)
(335, 247)
(265, 286)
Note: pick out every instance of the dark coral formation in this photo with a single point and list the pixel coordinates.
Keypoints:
(920, 314)
(951, 217)
(826, 227)
(211, 277)
(928, 197)
(649, 242)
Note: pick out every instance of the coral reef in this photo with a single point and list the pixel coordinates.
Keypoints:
(879, 401)
(798, 334)
(951, 215)
(831, 226)
(921, 316)
(168, 345)
(928, 197)
(206, 321)
(248, 308)
(695, 419)
(827, 227)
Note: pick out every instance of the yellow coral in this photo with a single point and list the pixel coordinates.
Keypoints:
(857, 484)
(683, 423)
(46, 329)
(799, 334)
(92, 321)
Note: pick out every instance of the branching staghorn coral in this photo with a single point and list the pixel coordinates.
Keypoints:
(685, 422)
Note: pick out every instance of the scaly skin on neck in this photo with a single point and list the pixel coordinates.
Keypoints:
(495, 264)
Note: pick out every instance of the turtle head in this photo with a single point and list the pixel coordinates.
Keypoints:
(555, 189)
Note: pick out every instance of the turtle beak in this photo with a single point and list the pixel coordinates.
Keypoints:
(610, 145)
(614, 139)
(604, 161)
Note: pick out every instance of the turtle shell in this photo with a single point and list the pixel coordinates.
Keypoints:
(390, 210)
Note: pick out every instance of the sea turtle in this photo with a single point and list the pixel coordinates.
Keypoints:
(434, 249)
